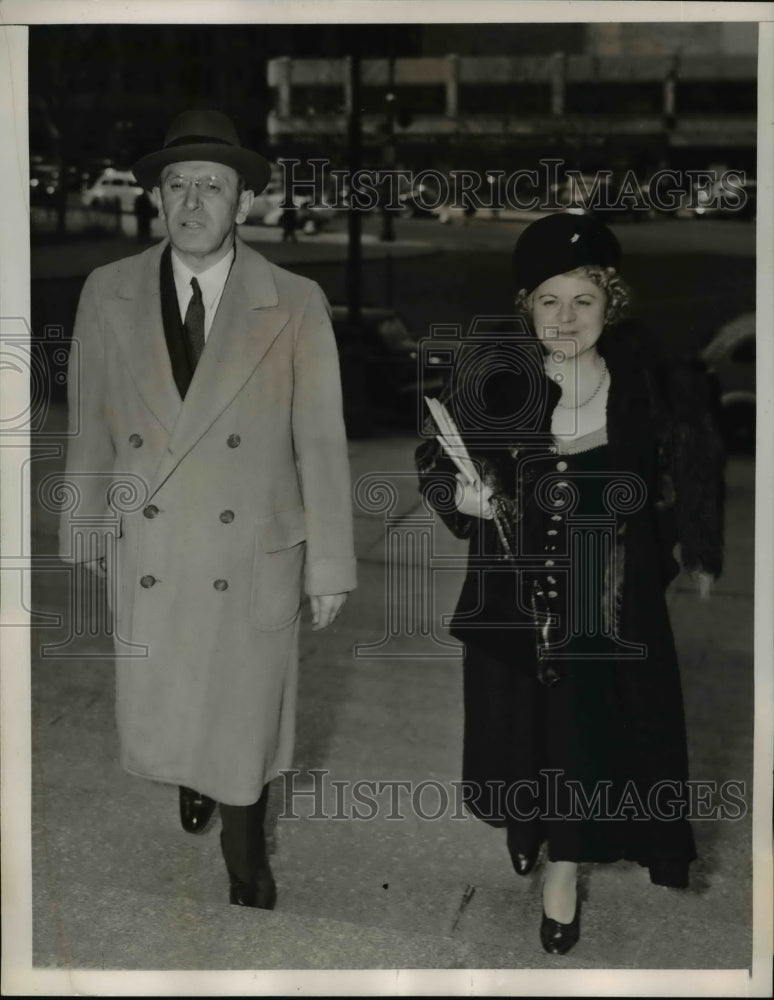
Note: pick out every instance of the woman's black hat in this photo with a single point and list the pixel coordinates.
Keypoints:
(560, 243)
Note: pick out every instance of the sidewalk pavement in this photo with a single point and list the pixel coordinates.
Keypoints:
(74, 257)
(117, 884)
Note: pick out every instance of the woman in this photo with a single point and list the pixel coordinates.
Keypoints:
(595, 459)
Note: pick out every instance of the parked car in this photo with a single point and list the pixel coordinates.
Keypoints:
(610, 197)
(730, 360)
(45, 180)
(731, 200)
(267, 206)
(384, 372)
(112, 185)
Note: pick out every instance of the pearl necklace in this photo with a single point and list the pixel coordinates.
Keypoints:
(586, 402)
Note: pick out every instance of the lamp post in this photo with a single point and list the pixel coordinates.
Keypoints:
(354, 225)
(387, 234)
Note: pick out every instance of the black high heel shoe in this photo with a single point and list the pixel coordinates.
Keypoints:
(523, 861)
(557, 938)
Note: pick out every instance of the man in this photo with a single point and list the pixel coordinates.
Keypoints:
(206, 389)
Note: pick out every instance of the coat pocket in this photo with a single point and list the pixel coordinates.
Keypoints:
(111, 562)
(278, 565)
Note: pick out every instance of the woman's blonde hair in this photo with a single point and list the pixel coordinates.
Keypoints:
(618, 292)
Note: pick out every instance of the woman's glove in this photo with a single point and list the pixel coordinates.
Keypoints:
(703, 583)
(473, 498)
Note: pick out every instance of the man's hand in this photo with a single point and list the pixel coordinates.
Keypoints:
(325, 609)
(473, 499)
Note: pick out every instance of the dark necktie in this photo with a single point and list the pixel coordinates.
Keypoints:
(194, 320)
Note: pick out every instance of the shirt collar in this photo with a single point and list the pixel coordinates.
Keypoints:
(211, 281)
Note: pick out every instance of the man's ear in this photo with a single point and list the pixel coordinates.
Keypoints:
(246, 200)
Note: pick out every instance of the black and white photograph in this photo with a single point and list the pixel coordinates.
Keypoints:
(386, 498)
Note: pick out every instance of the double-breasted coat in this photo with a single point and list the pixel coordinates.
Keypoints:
(212, 513)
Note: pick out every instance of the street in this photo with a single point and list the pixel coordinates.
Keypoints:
(116, 882)
(689, 276)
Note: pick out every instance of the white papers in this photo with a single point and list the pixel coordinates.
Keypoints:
(450, 440)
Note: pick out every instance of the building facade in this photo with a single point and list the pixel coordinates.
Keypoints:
(614, 96)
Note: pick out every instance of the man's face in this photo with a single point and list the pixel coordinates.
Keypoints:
(201, 204)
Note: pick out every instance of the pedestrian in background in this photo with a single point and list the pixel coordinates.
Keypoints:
(143, 213)
(596, 456)
(209, 384)
(288, 223)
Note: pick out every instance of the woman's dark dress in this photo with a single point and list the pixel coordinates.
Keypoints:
(599, 741)
(612, 723)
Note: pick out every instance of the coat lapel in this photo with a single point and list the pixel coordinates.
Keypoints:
(140, 330)
(248, 320)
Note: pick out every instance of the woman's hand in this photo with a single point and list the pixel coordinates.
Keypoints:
(703, 583)
(473, 499)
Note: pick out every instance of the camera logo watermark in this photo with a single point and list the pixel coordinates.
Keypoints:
(562, 563)
(91, 508)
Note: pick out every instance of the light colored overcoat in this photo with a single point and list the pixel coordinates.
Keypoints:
(210, 512)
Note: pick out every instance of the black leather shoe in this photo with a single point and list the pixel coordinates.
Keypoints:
(262, 893)
(195, 809)
(558, 938)
(523, 861)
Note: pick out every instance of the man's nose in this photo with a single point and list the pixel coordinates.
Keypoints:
(192, 195)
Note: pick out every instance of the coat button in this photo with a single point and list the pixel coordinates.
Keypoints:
(227, 516)
(549, 562)
(561, 467)
(221, 584)
(150, 511)
(233, 440)
(135, 440)
(147, 581)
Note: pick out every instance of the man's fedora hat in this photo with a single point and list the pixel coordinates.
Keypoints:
(204, 135)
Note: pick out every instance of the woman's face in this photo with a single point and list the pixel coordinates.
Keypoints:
(569, 308)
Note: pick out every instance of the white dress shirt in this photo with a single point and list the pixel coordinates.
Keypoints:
(212, 282)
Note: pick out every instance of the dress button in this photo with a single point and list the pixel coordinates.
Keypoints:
(147, 581)
(233, 440)
(227, 516)
(150, 511)
(552, 593)
(556, 517)
(551, 579)
(221, 584)
(552, 531)
(549, 562)
(561, 466)
(135, 440)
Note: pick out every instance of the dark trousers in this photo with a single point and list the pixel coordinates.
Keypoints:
(243, 840)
